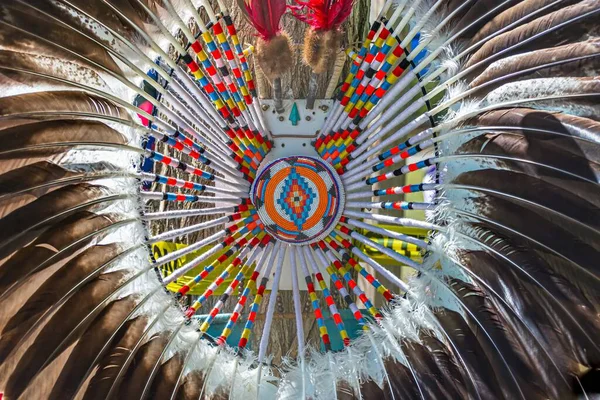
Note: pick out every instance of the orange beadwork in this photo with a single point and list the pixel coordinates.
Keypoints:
(298, 199)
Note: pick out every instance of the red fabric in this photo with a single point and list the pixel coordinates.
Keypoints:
(322, 15)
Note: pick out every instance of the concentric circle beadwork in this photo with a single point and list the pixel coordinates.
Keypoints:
(299, 199)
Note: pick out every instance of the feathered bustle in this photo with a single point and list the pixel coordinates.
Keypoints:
(463, 146)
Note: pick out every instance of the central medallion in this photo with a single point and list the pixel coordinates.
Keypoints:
(299, 199)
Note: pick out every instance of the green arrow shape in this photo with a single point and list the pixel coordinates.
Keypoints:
(294, 115)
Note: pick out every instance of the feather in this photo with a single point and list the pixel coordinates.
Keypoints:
(322, 15)
(456, 328)
(530, 189)
(577, 59)
(477, 15)
(166, 379)
(578, 95)
(431, 377)
(506, 302)
(20, 186)
(577, 253)
(264, 16)
(569, 305)
(138, 374)
(152, 376)
(524, 153)
(19, 14)
(500, 344)
(24, 185)
(58, 327)
(58, 242)
(89, 345)
(541, 26)
(443, 358)
(516, 13)
(120, 347)
(191, 386)
(25, 144)
(526, 118)
(401, 383)
(540, 314)
(67, 71)
(538, 327)
(80, 269)
(102, 11)
(344, 391)
(57, 105)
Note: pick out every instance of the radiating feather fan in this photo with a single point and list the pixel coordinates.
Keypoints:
(148, 231)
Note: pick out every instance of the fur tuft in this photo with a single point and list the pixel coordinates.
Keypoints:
(320, 48)
(275, 56)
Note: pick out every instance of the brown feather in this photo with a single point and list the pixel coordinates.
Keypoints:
(514, 68)
(401, 381)
(401, 385)
(16, 185)
(20, 15)
(551, 324)
(535, 190)
(471, 352)
(515, 13)
(61, 241)
(442, 360)
(553, 121)
(431, 379)
(544, 227)
(102, 12)
(135, 379)
(537, 26)
(578, 274)
(78, 270)
(57, 102)
(89, 345)
(114, 358)
(478, 14)
(344, 391)
(501, 345)
(191, 386)
(166, 378)
(526, 147)
(58, 328)
(17, 140)
(58, 67)
(533, 319)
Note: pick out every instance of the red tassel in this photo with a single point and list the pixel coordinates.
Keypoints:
(322, 14)
(264, 15)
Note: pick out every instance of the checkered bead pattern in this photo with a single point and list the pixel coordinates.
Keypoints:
(299, 199)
